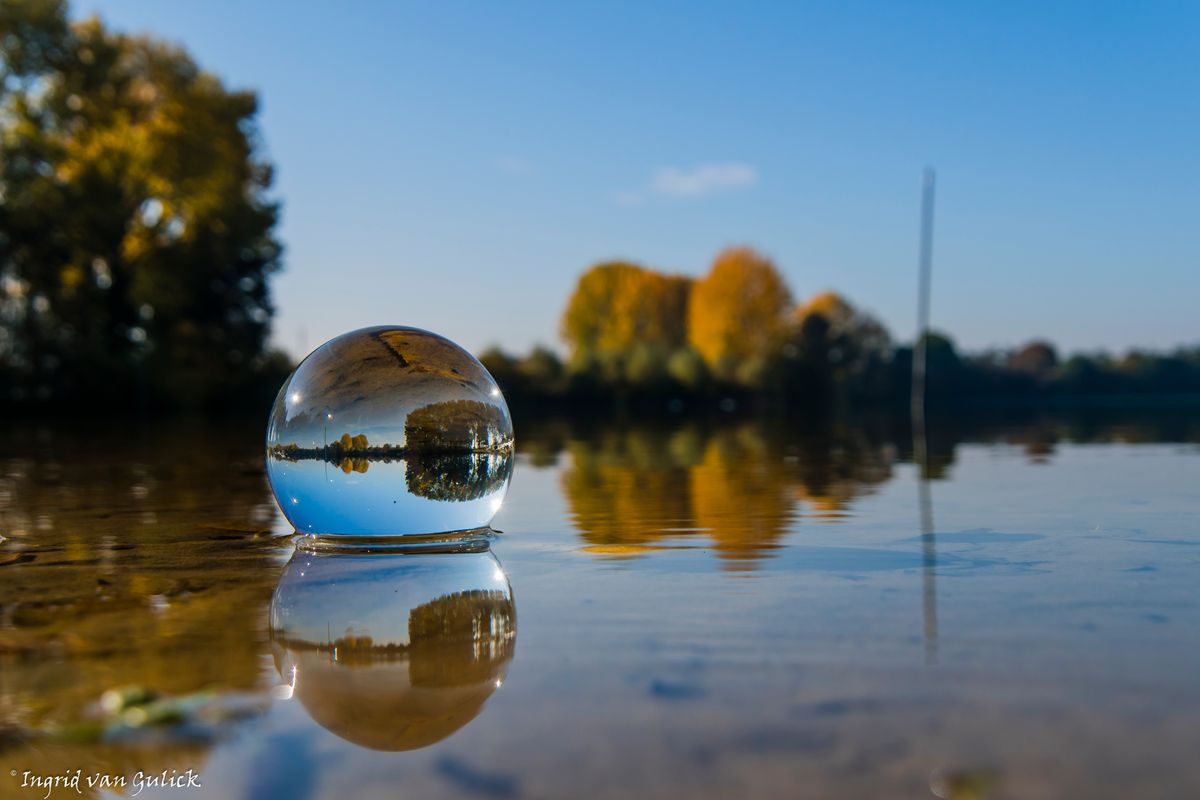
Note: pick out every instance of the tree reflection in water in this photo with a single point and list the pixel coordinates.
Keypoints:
(393, 652)
(741, 486)
(738, 486)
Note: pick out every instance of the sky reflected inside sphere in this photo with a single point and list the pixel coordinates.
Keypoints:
(385, 499)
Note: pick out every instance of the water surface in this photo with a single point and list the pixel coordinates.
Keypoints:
(724, 609)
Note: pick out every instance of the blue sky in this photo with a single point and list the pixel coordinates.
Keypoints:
(456, 165)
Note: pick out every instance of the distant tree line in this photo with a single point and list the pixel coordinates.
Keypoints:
(736, 336)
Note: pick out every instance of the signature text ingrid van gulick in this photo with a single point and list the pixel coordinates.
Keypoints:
(76, 782)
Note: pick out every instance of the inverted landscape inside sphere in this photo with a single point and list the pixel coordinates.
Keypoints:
(393, 653)
(446, 427)
(382, 407)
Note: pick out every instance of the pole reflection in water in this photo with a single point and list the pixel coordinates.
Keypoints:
(920, 434)
(928, 558)
(397, 651)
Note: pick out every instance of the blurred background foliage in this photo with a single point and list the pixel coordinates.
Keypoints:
(735, 338)
(136, 230)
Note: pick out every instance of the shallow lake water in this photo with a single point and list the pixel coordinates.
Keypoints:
(721, 609)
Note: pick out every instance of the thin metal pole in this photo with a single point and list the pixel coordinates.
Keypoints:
(920, 435)
(925, 266)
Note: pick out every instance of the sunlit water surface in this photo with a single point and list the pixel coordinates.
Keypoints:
(719, 610)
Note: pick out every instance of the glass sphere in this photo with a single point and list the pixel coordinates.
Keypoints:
(389, 431)
(392, 652)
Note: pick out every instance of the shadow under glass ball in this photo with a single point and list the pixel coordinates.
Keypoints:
(389, 431)
(393, 652)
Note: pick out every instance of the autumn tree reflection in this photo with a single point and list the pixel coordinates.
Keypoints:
(453, 639)
(737, 489)
(144, 555)
(459, 639)
(629, 486)
(741, 497)
(834, 465)
(424, 642)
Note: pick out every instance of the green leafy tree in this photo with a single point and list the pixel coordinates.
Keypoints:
(542, 367)
(136, 234)
(646, 366)
(838, 346)
(686, 367)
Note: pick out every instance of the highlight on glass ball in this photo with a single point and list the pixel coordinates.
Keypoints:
(389, 432)
(392, 652)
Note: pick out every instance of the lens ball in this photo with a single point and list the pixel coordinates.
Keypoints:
(389, 431)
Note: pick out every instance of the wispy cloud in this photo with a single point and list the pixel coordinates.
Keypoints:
(701, 180)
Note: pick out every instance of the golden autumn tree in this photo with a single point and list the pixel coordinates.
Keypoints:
(619, 306)
(737, 315)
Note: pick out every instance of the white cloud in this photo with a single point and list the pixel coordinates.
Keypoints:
(703, 179)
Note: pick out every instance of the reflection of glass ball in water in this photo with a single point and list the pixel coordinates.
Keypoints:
(389, 431)
(393, 652)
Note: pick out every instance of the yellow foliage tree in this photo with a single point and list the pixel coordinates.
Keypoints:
(737, 315)
(618, 305)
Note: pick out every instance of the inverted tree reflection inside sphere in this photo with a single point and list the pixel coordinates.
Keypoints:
(393, 652)
(389, 431)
